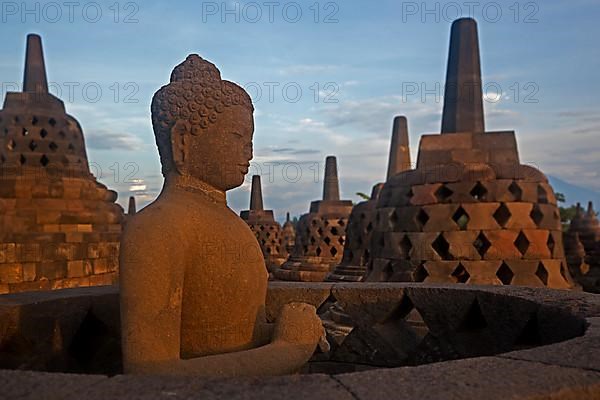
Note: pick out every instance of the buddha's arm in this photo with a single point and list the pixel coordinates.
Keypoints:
(151, 283)
(295, 338)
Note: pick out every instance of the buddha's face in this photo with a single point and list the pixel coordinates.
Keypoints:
(221, 154)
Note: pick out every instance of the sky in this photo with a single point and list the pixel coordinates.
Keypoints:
(326, 78)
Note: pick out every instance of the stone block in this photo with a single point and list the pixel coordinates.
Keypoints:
(440, 217)
(424, 194)
(481, 215)
(501, 245)
(11, 273)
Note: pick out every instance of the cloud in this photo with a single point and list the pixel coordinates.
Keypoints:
(306, 69)
(104, 140)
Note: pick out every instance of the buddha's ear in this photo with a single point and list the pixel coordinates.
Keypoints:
(180, 144)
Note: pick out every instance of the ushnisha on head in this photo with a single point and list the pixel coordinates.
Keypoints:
(203, 125)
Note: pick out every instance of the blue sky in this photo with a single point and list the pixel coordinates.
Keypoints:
(354, 62)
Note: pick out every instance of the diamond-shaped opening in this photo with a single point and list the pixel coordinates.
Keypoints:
(482, 244)
(442, 247)
(410, 193)
(62, 134)
(25, 132)
(261, 227)
(394, 218)
(318, 251)
(313, 240)
(10, 145)
(334, 230)
(363, 216)
(461, 274)
(43, 133)
(320, 231)
(479, 191)
(268, 234)
(341, 222)
(530, 335)
(387, 271)
(2, 158)
(420, 274)
(406, 246)
(16, 119)
(44, 160)
(422, 217)
(502, 215)
(516, 191)
(34, 120)
(71, 148)
(22, 159)
(327, 240)
(461, 218)
(52, 122)
(314, 222)
(443, 193)
(32, 145)
(333, 251)
(542, 195)
(542, 273)
(522, 243)
(473, 319)
(53, 146)
(505, 274)
(536, 215)
(370, 227)
(563, 272)
(341, 240)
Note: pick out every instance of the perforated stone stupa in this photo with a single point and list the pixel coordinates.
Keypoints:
(582, 248)
(288, 236)
(320, 234)
(59, 226)
(263, 224)
(356, 257)
(470, 212)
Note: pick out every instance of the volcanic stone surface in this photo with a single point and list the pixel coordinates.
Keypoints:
(320, 234)
(469, 212)
(59, 227)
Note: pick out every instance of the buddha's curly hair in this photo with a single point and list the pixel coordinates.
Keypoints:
(196, 95)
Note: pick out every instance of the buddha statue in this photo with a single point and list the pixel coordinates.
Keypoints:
(193, 279)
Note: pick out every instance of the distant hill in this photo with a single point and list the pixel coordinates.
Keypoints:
(575, 194)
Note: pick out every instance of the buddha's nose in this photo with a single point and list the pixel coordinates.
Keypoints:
(248, 153)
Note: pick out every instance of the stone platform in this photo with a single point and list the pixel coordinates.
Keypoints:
(420, 341)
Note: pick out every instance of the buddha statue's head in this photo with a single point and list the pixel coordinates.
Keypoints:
(203, 125)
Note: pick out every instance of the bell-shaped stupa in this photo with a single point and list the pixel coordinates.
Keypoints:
(59, 227)
(356, 257)
(288, 236)
(470, 212)
(320, 234)
(265, 228)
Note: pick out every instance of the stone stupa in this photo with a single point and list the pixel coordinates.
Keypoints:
(59, 226)
(470, 212)
(356, 257)
(320, 234)
(263, 225)
(288, 236)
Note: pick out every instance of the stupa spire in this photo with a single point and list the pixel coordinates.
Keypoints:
(256, 200)
(399, 159)
(331, 185)
(34, 78)
(463, 96)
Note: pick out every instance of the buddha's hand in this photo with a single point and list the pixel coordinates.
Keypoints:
(298, 323)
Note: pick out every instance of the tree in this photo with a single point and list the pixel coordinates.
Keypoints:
(363, 196)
